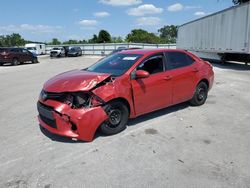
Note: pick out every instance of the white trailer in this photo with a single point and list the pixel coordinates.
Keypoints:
(224, 35)
(38, 49)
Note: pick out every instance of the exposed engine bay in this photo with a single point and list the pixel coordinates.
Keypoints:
(74, 99)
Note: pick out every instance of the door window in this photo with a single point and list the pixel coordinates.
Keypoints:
(177, 60)
(154, 64)
(24, 51)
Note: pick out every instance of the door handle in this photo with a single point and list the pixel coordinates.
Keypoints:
(168, 77)
(195, 70)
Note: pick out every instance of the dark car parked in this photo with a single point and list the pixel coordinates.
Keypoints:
(75, 51)
(16, 56)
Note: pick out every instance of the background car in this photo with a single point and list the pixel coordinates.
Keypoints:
(57, 52)
(16, 56)
(75, 51)
(124, 85)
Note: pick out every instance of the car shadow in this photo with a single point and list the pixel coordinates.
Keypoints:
(22, 64)
(158, 113)
(58, 138)
(131, 122)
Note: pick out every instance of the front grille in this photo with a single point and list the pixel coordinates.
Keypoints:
(53, 53)
(46, 115)
(49, 122)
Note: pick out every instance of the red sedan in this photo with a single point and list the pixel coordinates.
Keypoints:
(121, 86)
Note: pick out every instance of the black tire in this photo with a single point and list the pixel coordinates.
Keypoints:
(200, 95)
(15, 62)
(118, 117)
(35, 61)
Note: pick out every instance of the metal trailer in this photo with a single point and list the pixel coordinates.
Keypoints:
(224, 35)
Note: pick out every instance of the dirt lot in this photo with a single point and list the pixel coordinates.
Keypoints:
(181, 146)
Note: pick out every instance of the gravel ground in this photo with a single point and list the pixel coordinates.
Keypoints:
(180, 146)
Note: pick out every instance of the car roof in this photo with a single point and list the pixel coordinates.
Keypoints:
(149, 51)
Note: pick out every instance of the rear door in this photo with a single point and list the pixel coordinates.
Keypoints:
(154, 92)
(183, 70)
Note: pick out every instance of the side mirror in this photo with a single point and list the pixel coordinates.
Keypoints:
(141, 74)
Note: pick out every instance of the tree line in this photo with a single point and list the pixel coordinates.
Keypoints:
(165, 35)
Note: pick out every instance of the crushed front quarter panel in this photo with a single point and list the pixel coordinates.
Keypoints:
(87, 120)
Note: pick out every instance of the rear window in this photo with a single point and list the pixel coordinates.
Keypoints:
(177, 60)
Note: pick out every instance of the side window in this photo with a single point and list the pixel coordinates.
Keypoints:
(177, 59)
(40, 46)
(15, 50)
(153, 64)
(24, 51)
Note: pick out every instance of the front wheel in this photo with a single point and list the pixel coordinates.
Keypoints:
(200, 95)
(35, 61)
(117, 118)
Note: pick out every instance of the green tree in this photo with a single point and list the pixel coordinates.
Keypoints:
(117, 39)
(104, 36)
(168, 33)
(14, 39)
(94, 39)
(55, 41)
(142, 36)
(83, 41)
(70, 42)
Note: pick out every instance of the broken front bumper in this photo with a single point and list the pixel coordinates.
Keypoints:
(59, 118)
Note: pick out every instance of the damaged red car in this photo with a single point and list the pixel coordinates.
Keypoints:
(121, 86)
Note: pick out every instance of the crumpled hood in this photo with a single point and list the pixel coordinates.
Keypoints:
(75, 80)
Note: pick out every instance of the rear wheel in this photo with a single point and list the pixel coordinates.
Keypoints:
(15, 62)
(200, 95)
(117, 118)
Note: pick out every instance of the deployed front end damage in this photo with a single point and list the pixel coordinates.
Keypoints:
(74, 114)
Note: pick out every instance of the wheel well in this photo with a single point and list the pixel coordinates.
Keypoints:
(123, 101)
(205, 81)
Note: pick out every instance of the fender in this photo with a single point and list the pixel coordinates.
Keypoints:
(118, 88)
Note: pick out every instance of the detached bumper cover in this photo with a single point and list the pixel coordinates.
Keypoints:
(60, 119)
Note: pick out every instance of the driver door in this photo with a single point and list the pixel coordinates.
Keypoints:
(154, 92)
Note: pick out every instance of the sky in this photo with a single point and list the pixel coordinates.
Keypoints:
(80, 19)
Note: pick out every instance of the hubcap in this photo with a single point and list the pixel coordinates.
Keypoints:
(201, 94)
(114, 117)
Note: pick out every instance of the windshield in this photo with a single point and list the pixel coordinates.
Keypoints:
(116, 64)
(56, 49)
(72, 50)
